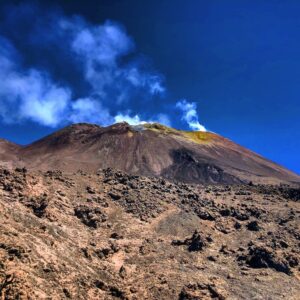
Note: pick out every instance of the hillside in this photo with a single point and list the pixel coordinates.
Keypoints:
(152, 150)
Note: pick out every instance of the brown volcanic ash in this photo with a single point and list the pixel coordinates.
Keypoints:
(152, 150)
(116, 236)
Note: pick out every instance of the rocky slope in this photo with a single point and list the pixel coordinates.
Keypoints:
(152, 150)
(8, 153)
(110, 235)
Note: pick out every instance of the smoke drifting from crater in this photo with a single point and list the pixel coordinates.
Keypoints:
(190, 116)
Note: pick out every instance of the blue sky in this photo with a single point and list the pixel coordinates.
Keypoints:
(232, 67)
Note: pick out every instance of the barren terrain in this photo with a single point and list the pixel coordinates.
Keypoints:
(110, 235)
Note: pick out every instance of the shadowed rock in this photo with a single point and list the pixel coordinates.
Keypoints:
(195, 243)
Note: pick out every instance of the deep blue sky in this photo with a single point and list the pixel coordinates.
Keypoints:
(238, 60)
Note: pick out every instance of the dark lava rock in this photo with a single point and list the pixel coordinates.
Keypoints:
(205, 215)
(107, 251)
(237, 225)
(290, 193)
(225, 212)
(201, 291)
(116, 236)
(13, 251)
(195, 243)
(90, 190)
(90, 216)
(264, 257)
(212, 258)
(114, 196)
(253, 226)
(37, 204)
(114, 291)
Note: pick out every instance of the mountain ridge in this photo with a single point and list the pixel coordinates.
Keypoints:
(149, 149)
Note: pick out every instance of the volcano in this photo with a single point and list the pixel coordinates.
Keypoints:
(145, 212)
(150, 150)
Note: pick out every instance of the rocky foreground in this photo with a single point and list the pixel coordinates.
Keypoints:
(109, 235)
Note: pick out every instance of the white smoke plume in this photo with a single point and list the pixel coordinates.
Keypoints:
(189, 111)
(136, 120)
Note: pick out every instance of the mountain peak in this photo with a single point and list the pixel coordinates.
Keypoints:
(150, 149)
